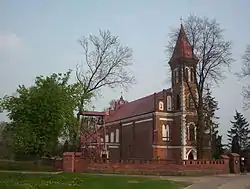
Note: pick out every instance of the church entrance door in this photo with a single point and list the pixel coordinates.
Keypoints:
(190, 156)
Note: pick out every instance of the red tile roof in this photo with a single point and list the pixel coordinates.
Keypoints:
(182, 48)
(134, 108)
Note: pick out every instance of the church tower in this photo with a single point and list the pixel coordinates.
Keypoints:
(183, 64)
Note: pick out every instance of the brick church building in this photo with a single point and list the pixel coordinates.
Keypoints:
(160, 125)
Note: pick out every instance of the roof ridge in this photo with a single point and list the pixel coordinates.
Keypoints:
(136, 107)
(148, 95)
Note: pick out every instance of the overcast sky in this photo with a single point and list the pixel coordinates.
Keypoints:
(39, 38)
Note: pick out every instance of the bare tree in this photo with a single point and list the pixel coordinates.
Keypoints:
(245, 73)
(112, 103)
(214, 55)
(106, 63)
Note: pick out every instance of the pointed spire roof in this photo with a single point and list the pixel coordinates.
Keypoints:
(182, 48)
(121, 98)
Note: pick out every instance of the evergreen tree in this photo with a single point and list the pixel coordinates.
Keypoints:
(239, 133)
(216, 145)
(235, 145)
(210, 108)
(211, 123)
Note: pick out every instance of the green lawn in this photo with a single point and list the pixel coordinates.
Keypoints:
(80, 181)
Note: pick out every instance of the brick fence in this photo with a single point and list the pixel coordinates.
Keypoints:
(73, 162)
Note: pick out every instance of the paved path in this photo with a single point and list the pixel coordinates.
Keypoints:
(228, 181)
(222, 182)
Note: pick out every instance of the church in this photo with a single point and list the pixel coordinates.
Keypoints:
(162, 124)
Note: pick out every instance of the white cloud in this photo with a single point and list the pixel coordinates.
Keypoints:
(10, 44)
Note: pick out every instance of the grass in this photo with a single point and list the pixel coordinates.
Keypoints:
(80, 181)
(23, 166)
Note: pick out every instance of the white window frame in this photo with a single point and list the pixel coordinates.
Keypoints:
(169, 103)
(161, 106)
(117, 135)
(112, 137)
(165, 133)
(107, 138)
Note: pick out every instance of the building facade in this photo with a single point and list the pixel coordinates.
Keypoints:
(160, 125)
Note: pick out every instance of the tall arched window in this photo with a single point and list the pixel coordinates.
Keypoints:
(106, 138)
(190, 101)
(178, 102)
(169, 103)
(176, 75)
(192, 74)
(173, 76)
(192, 132)
(165, 133)
(163, 130)
(117, 135)
(187, 74)
(112, 137)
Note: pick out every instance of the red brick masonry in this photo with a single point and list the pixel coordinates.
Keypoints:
(73, 162)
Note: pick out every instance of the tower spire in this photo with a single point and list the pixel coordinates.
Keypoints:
(181, 20)
(182, 49)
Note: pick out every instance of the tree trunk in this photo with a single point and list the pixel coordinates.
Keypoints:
(200, 132)
(78, 130)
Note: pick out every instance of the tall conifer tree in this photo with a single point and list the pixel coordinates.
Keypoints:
(211, 123)
(239, 133)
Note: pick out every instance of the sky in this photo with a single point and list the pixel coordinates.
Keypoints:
(40, 37)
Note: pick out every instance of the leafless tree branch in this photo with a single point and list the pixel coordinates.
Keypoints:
(214, 54)
(245, 73)
(106, 63)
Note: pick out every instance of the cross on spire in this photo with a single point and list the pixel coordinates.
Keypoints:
(93, 107)
(181, 19)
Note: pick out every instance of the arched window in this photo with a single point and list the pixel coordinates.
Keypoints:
(190, 101)
(169, 103)
(165, 132)
(192, 132)
(191, 74)
(117, 135)
(161, 106)
(106, 138)
(112, 137)
(176, 75)
(187, 74)
(178, 102)
(173, 76)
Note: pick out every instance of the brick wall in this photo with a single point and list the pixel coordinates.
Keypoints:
(73, 162)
